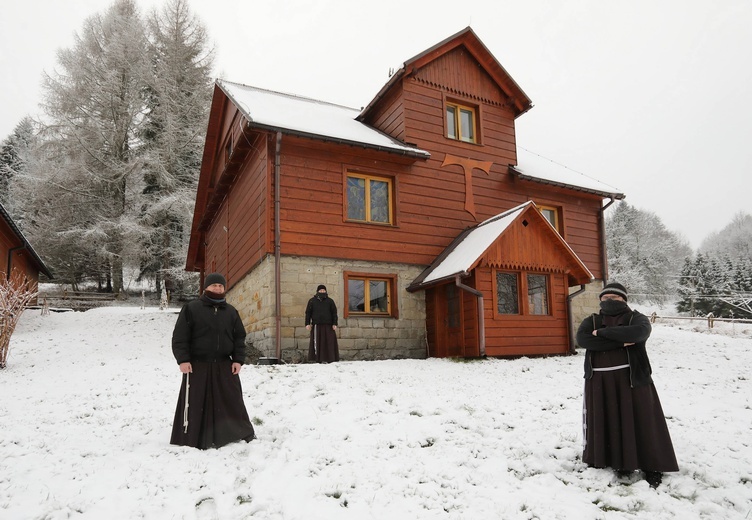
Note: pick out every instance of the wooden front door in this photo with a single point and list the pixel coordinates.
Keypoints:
(449, 308)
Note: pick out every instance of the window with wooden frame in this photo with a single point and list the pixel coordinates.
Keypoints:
(535, 287)
(369, 294)
(369, 198)
(551, 213)
(461, 122)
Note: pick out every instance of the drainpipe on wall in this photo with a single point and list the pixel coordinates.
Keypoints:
(277, 247)
(604, 252)
(570, 324)
(481, 317)
(10, 259)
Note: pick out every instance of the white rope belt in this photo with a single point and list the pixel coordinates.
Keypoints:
(609, 369)
(185, 410)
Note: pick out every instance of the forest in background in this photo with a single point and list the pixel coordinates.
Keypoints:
(104, 186)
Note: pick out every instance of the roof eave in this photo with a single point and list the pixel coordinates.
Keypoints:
(605, 194)
(416, 153)
(25, 244)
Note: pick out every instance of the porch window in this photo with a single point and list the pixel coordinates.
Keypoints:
(537, 294)
(509, 287)
(370, 294)
(369, 199)
(507, 299)
(461, 122)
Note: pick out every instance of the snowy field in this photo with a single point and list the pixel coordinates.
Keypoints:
(87, 400)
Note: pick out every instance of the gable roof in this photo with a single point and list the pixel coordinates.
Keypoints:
(533, 167)
(468, 39)
(466, 251)
(305, 117)
(24, 243)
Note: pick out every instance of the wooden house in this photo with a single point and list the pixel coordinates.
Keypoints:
(17, 254)
(387, 206)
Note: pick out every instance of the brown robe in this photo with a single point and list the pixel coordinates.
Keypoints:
(625, 428)
(216, 411)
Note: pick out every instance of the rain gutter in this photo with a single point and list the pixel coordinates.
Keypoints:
(604, 252)
(416, 153)
(10, 258)
(570, 324)
(277, 247)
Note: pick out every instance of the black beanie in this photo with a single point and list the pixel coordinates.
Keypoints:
(214, 278)
(614, 288)
(322, 286)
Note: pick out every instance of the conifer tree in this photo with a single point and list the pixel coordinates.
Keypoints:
(179, 95)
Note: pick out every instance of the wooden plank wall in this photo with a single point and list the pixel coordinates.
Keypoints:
(246, 215)
(430, 199)
(525, 335)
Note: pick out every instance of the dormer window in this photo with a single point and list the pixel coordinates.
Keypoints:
(461, 122)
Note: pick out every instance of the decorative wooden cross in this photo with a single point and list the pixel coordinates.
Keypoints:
(467, 166)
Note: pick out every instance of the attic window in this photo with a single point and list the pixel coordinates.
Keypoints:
(551, 214)
(461, 122)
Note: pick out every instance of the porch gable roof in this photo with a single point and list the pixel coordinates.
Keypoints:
(467, 250)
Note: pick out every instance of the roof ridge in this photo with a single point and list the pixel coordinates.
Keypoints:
(286, 94)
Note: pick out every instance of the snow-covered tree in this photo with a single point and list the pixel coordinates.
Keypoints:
(179, 94)
(95, 106)
(723, 270)
(734, 240)
(14, 156)
(643, 254)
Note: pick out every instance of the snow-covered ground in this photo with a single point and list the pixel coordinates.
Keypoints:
(87, 401)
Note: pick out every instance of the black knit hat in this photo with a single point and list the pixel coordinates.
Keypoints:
(214, 278)
(322, 286)
(614, 288)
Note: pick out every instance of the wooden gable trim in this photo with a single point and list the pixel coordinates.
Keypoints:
(487, 61)
(521, 103)
(458, 75)
(527, 245)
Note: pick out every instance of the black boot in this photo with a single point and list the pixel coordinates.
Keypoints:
(654, 478)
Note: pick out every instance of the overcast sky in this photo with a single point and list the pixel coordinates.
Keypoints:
(652, 97)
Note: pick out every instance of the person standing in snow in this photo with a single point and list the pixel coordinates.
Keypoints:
(624, 425)
(321, 320)
(209, 345)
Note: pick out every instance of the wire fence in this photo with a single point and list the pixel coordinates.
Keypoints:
(710, 319)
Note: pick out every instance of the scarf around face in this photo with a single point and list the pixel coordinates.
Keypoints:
(615, 312)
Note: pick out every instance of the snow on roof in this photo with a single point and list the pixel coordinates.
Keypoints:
(474, 244)
(310, 117)
(540, 169)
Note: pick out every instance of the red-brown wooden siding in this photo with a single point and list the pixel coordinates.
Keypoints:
(513, 335)
(20, 260)
(430, 199)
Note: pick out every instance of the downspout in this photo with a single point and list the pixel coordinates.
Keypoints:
(277, 247)
(604, 252)
(570, 324)
(10, 258)
(481, 317)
